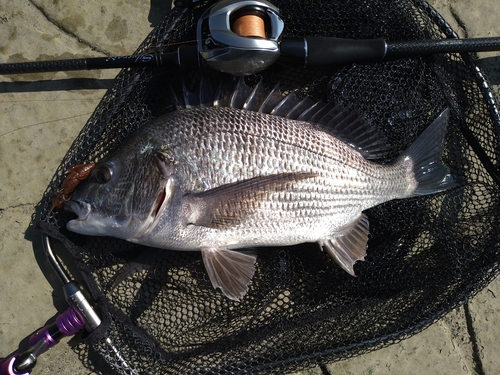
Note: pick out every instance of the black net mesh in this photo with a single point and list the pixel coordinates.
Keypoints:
(425, 256)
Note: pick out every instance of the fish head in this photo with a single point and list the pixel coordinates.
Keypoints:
(125, 192)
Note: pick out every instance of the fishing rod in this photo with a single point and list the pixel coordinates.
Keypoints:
(245, 37)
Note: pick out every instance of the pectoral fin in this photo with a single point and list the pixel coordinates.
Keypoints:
(229, 270)
(228, 205)
(349, 245)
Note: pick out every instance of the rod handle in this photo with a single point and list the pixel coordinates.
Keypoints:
(312, 52)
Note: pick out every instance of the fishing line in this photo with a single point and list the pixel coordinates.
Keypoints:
(249, 25)
(43, 123)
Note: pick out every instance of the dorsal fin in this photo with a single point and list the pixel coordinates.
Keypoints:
(342, 122)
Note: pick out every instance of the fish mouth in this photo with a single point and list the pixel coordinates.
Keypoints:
(89, 223)
(82, 209)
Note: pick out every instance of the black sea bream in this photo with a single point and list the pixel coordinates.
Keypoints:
(253, 169)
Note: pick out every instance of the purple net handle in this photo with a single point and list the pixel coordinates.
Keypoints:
(67, 324)
(7, 366)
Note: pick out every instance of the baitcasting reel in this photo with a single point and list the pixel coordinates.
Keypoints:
(240, 38)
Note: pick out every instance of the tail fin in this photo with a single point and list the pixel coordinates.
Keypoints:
(431, 175)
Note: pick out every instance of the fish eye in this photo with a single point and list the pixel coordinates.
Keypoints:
(103, 174)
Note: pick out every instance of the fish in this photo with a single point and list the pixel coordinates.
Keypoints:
(247, 167)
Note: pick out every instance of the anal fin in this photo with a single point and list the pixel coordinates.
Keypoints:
(349, 245)
(229, 270)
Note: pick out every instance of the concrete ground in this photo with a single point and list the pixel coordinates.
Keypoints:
(41, 114)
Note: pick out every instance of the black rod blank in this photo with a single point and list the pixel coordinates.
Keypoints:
(333, 51)
(79, 64)
(418, 47)
(184, 56)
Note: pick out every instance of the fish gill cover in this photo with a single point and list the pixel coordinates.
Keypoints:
(425, 254)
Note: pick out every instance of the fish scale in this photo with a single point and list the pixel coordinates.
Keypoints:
(220, 180)
(267, 155)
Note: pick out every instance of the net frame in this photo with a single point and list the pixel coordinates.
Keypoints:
(155, 318)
